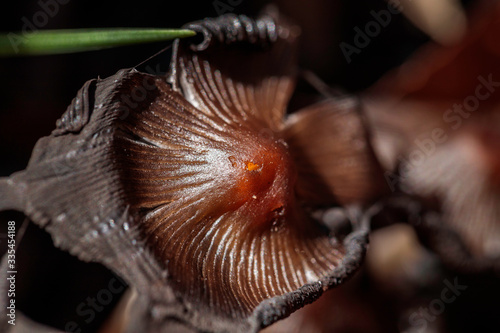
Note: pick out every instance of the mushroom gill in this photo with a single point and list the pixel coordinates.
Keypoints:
(221, 180)
(219, 208)
(462, 176)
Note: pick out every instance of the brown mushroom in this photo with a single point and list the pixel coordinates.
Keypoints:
(198, 190)
(436, 122)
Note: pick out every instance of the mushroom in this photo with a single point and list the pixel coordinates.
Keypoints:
(435, 122)
(198, 190)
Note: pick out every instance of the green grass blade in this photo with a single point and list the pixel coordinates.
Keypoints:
(79, 40)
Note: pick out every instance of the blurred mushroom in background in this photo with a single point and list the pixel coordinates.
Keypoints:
(436, 125)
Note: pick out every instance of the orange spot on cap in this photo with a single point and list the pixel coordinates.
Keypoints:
(252, 166)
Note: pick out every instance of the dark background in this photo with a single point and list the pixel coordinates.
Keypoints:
(34, 92)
